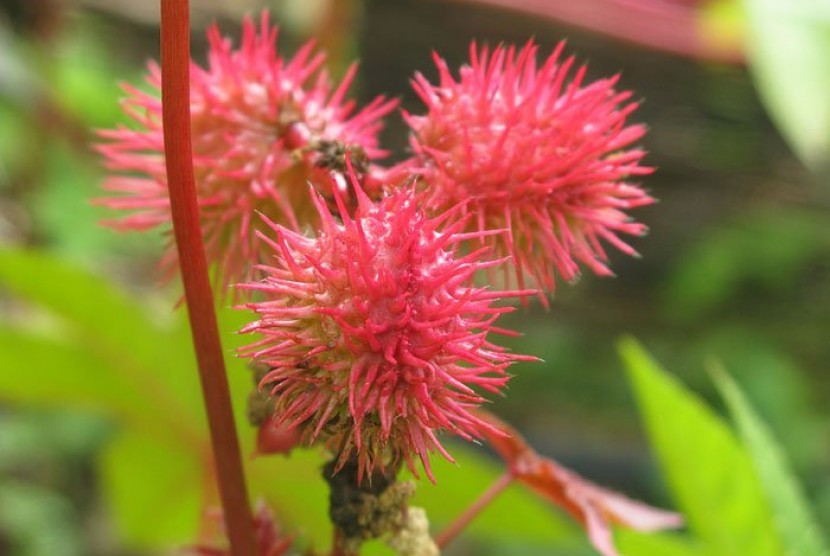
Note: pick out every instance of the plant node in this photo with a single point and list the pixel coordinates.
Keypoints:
(366, 509)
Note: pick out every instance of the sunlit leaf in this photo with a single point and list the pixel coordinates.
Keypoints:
(799, 531)
(635, 543)
(709, 473)
(152, 353)
(47, 371)
(154, 489)
(789, 54)
(85, 78)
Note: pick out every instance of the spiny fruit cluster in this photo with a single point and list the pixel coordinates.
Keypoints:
(362, 277)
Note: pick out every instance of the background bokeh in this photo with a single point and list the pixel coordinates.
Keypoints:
(736, 267)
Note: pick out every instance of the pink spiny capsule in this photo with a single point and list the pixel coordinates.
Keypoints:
(375, 338)
(536, 152)
(262, 126)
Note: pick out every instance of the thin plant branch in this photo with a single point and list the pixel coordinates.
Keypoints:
(462, 521)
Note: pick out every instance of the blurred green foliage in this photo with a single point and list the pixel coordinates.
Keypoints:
(736, 492)
(40, 452)
(768, 251)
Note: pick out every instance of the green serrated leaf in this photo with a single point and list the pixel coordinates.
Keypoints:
(154, 489)
(789, 54)
(798, 528)
(709, 473)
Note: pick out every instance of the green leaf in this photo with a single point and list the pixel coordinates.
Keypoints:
(154, 489)
(240, 375)
(709, 473)
(107, 351)
(789, 54)
(635, 543)
(151, 353)
(776, 384)
(85, 78)
(49, 372)
(799, 531)
(83, 298)
(66, 220)
(294, 486)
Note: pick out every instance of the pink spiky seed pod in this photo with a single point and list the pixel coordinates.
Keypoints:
(263, 127)
(375, 338)
(543, 156)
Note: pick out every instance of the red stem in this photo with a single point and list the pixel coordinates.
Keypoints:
(175, 94)
(462, 521)
(337, 548)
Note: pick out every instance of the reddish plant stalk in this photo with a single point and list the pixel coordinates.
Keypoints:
(462, 521)
(338, 544)
(175, 65)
